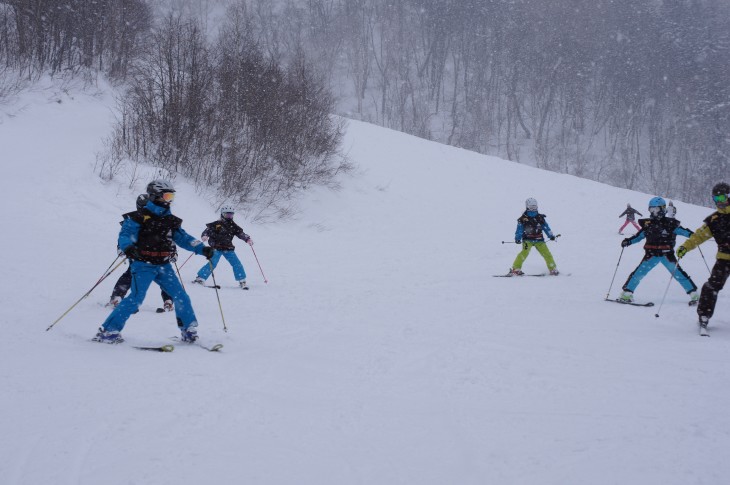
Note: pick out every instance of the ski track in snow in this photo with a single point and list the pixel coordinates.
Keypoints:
(381, 351)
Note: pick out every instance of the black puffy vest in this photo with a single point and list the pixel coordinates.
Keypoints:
(719, 225)
(154, 241)
(659, 232)
(532, 226)
(221, 234)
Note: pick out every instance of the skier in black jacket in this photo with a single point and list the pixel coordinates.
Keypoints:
(661, 234)
(716, 226)
(219, 235)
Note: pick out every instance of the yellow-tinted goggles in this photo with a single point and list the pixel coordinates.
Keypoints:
(168, 196)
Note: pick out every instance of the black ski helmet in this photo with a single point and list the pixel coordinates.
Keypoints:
(142, 200)
(720, 189)
(157, 190)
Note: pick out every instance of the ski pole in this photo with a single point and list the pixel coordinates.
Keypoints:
(178, 273)
(257, 262)
(215, 285)
(614, 273)
(703, 259)
(178, 270)
(515, 242)
(103, 277)
(667, 289)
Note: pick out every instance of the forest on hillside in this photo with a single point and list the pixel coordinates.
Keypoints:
(218, 111)
(634, 93)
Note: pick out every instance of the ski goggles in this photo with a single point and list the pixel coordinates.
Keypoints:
(168, 196)
(658, 209)
(720, 198)
(228, 215)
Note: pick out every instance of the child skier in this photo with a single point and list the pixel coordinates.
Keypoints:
(121, 287)
(630, 214)
(219, 234)
(530, 227)
(717, 226)
(660, 233)
(671, 210)
(148, 238)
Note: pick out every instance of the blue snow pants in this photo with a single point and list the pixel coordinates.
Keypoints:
(648, 263)
(143, 274)
(238, 272)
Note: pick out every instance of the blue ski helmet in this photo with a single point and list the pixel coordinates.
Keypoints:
(657, 207)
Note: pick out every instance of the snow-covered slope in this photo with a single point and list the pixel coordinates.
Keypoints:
(381, 351)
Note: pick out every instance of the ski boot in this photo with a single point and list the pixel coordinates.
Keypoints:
(114, 301)
(190, 335)
(243, 285)
(515, 272)
(626, 297)
(168, 306)
(108, 337)
(198, 280)
(554, 272)
(694, 298)
(703, 322)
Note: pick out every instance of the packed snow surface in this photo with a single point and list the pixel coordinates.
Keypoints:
(381, 351)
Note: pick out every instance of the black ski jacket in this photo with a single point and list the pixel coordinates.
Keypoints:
(222, 232)
(660, 234)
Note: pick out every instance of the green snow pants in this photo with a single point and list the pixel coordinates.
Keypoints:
(541, 248)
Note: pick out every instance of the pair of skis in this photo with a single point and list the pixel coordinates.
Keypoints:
(702, 329)
(618, 300)
(219, 287)
(623, 302)
(510, 275)
(170, 348)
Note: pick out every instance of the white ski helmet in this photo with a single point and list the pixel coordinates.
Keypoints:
(227, 209)
(531, 204)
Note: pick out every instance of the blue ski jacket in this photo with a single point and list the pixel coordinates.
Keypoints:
(129, 233)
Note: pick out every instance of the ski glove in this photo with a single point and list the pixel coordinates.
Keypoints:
(208, 252)
(131, 252)
(250, 242)
(626, 242)
(518, 241)
(552, 238)
(681, 251)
